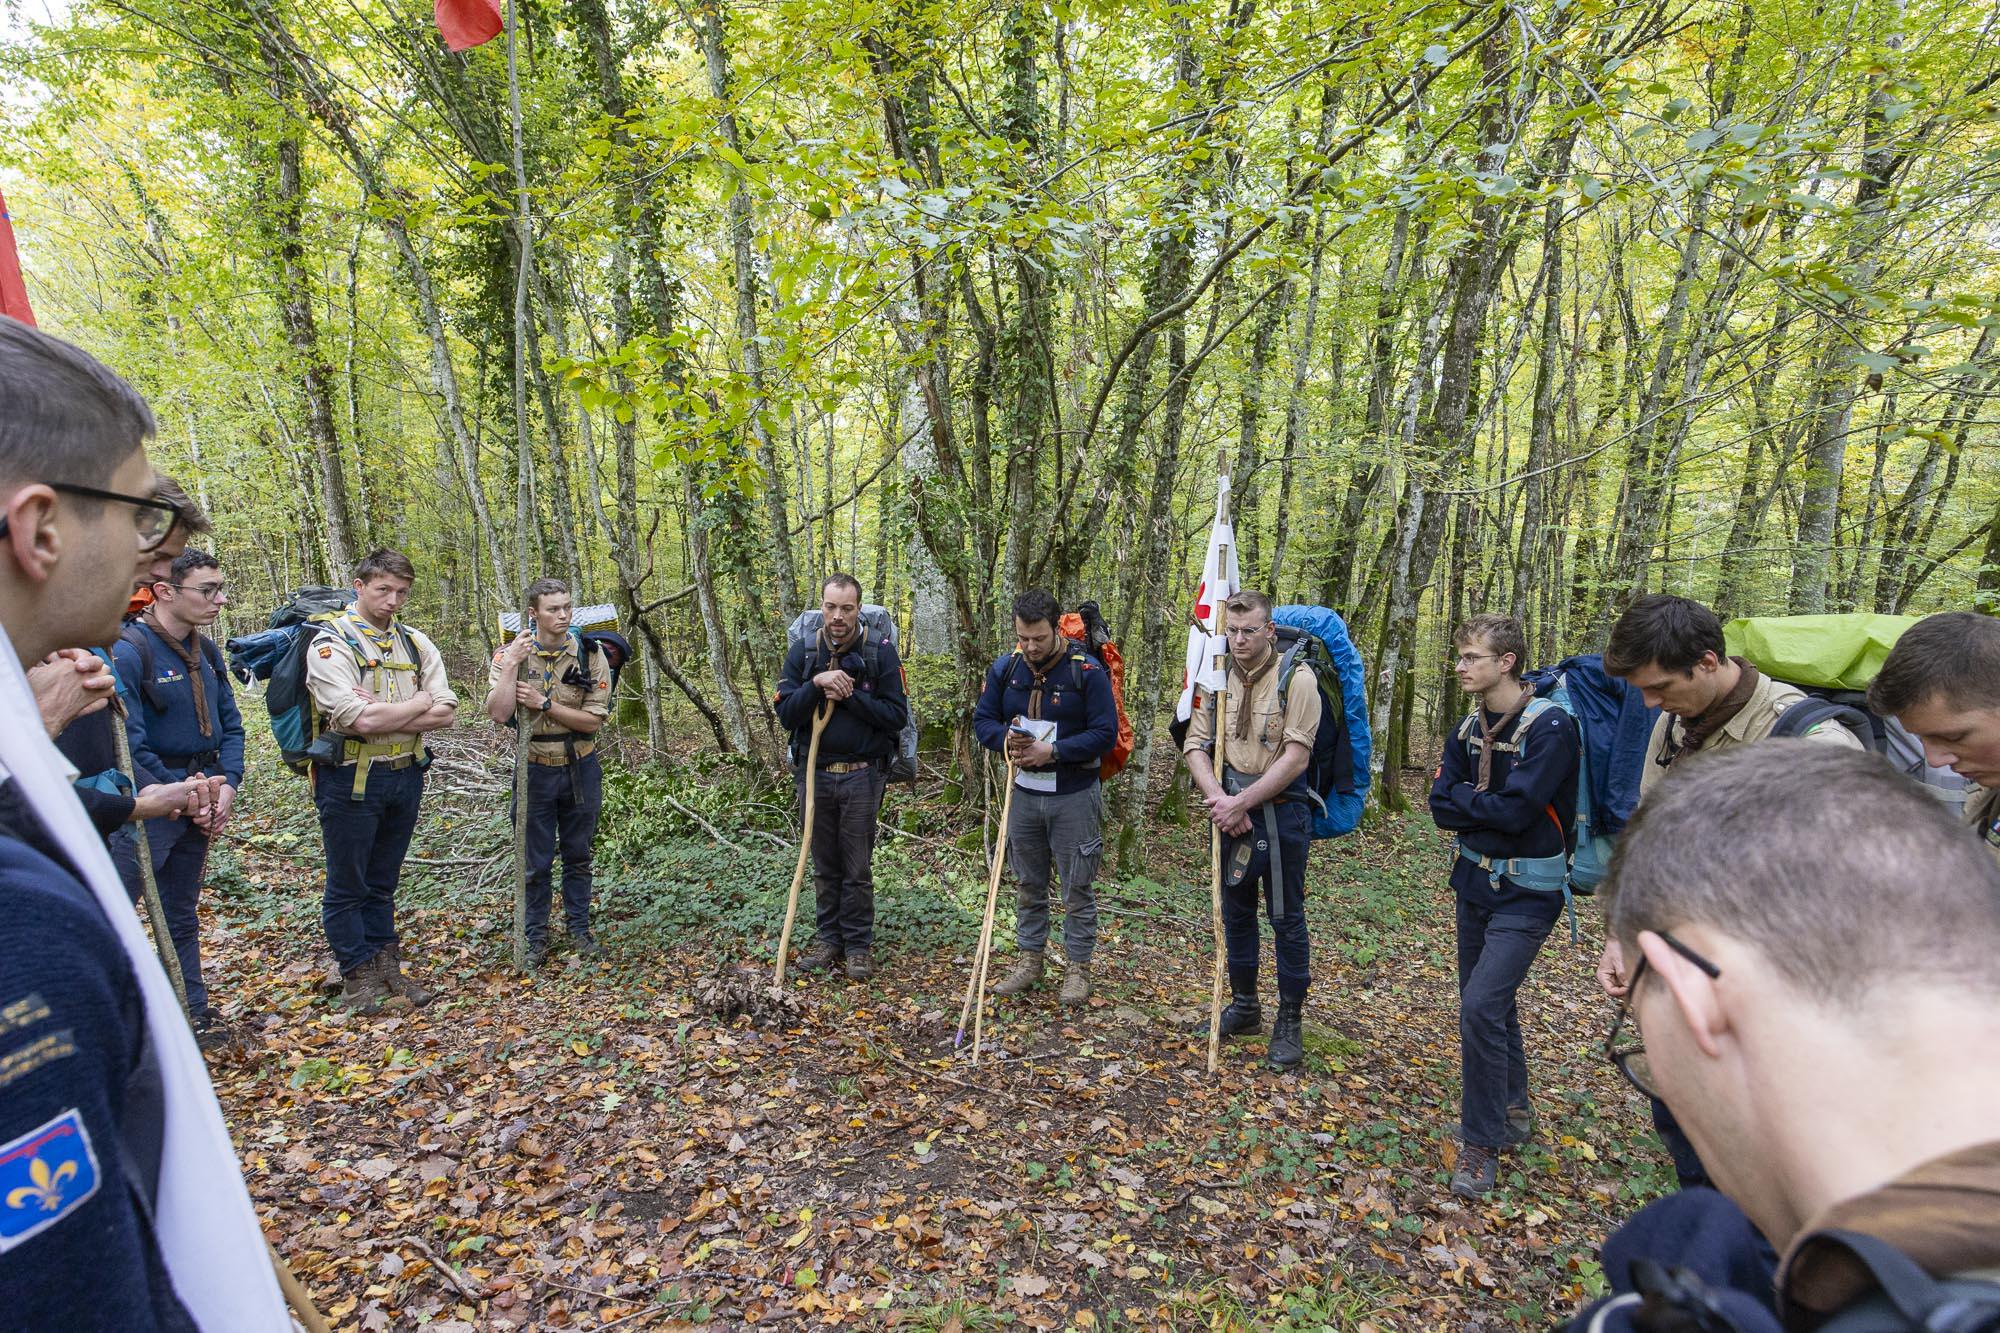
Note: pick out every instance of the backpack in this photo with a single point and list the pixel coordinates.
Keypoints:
(877, 628)
(278, 656)
(1906, 1299)
(142, 642)
(1085, 627)
(1613, 725)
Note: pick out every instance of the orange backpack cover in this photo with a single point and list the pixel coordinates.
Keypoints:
(1113, 764)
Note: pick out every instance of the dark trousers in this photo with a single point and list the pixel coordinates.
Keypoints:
(180, 854)
(843, 854)
(1285, 902)
(1688, 1170)
(366, 841)
(563, 805)
(1495, 950)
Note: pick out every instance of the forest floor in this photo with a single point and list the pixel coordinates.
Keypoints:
(600, 1147)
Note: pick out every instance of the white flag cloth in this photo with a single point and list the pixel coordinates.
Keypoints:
(1220, 580)
(208, 1232)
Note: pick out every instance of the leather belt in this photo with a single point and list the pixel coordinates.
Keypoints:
(854, 767)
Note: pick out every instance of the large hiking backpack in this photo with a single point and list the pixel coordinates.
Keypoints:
(1906, 1299)
(1833, 658)
(595, 629)
(1086, 626)
(1613, 725)
(877, 628)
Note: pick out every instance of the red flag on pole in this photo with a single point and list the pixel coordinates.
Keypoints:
(465, 24)
(13, 290)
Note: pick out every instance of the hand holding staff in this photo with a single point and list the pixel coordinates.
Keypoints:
(805, 842)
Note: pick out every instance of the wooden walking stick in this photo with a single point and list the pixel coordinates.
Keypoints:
(523, 724)
(1215, 838)
(156, 911)
(805, 841)
(296, 1294)
(975, 986)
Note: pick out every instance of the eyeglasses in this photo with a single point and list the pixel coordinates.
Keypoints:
(1243, 632)
(214, 592)
(1631, 1059)
(1467, 659)
(155, 521)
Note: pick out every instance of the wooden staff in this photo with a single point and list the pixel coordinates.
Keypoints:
(156, 911)
(975, 986)
(296, 1295)
(1215, 835)
(524, 725)
(805, 842)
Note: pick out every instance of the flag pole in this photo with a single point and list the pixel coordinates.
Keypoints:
(1221, 664)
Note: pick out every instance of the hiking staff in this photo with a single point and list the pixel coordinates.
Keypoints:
(524, 726)
(975, 989)
(1221, 968)
(296, 1294)
(156, 911)
(820, 719)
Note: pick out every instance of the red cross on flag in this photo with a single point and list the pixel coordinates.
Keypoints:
(1220, 580)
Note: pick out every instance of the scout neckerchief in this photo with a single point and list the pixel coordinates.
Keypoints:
(548, 658)
(384, 642)
(1696, 730)
(1040, 674)
(1251, 675)
(1490, 734)
(190, 659)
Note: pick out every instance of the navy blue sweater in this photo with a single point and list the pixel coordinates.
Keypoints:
(1528, 809)
(864, 725)
(163, 738)
(1076, 696)
(76, 1248)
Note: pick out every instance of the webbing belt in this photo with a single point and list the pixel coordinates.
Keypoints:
(388, 755)
(1533, 873)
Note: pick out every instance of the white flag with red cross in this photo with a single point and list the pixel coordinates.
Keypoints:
(1220, 580)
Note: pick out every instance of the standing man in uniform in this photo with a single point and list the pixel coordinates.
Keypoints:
(1942, 682)
(379, 686)
(1050, 687)
(121, 1201)
(182, 724)
(1253, 781)
(862, 683)
(1671, 650)
(1507, 786)
(567, 700)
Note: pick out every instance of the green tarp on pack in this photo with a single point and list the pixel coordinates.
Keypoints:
(1823, 652)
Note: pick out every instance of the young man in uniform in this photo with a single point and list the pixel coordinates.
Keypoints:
(1507, 787)
(566, 699)
(379, 686)
(1252, 780)
(1056, 822)
(1942, 682)
(862, 684)
(1671, 650)
(181, 724)
(1813, 992)
(121, 1201)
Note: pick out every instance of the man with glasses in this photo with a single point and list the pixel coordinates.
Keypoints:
(1815, 997)
(1252, 778)
(181, 724)
(121, 1201)
(1506, 786)
(1671, 650)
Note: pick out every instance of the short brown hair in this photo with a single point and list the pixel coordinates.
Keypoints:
(1502, 633)
(1844, 874)
(1952, 657)
(838, 579)
(1245, 600)
(382, 560)
(541, 588)
(1674, 633)
(191, 520)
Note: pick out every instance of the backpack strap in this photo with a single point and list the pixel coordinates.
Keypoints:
(142, 643)
(1813, 711)
(1907, 1297)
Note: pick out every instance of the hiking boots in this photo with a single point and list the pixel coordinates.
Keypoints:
(1520, 1128)
(363, 991)
(860, 965)
(390, 961)
(538, 953)
(585, 945)
(823, 955)
(1478, 1172)
(1288, 1045)
(1027, 974)
(1243, 1016)
(1076, 983)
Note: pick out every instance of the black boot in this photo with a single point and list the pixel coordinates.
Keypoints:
(1244, 1014)
(1287, 1044)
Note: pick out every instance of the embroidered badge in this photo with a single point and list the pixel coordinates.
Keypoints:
(45, 1175)
(325, 650)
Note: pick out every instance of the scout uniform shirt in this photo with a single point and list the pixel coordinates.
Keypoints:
(1982, 812)
(560, 675)
(352, 654)
(1753, 722)
(1248, 756)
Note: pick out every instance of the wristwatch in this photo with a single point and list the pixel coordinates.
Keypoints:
(548, 702)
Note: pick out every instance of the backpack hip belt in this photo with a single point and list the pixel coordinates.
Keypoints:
(1537, 874)
(365, 755)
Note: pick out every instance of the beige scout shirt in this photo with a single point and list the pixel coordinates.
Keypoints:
(554, 673)
(1268, 729)
(360, 656)
(1982, 812)
(1752, 723)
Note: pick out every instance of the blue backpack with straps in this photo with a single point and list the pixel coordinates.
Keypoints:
(1613, 725)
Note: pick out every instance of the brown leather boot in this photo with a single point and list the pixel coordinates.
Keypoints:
(1076, 983)
(364, 991)
(391, 963)
(1027, 974)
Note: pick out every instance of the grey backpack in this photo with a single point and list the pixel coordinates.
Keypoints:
(877, 628)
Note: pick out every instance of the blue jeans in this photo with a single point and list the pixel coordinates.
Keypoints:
(562, 814)
(180, 854)
(843, 854)
(1286, 901)
(1495, 950)
(366, 841)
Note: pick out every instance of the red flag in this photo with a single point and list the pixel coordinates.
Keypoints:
(465, 24)
(13, 291)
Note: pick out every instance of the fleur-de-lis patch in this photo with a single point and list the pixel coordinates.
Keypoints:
(45, 1175)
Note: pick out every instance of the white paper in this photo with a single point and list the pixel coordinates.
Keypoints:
(1042, 729)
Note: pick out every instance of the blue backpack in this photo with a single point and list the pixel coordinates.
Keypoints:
(1613, 724)
(277, 655)
(1338, 771)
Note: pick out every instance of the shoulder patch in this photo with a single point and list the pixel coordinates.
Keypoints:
(45, 1175)
(326, 650)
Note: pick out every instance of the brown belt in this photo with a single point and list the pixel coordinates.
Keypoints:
(854, 767)
(561, 759)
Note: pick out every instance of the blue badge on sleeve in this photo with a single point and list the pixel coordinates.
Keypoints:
(45, 1175)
